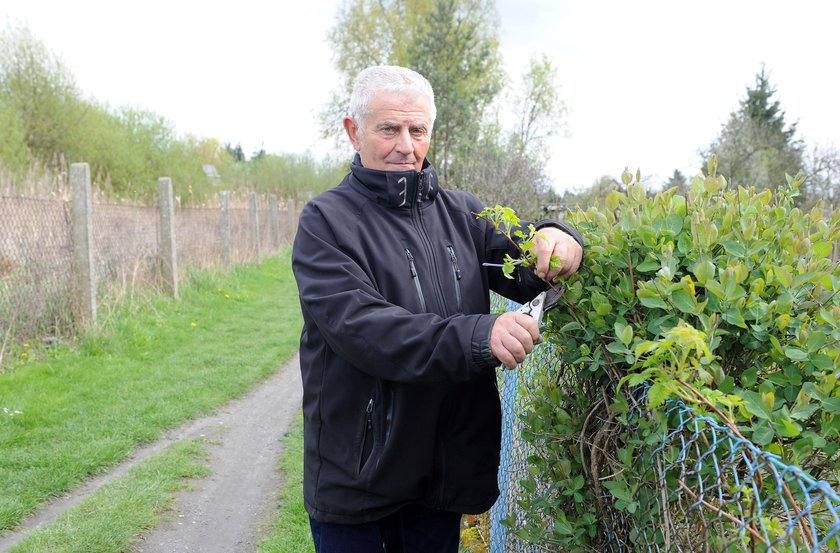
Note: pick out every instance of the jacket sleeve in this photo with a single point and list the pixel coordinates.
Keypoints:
(341, 304)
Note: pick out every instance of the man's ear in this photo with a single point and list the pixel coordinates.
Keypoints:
(353, 132)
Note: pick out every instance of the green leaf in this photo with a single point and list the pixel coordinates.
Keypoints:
(617, 347)
(816, 341)
(786, 428)
(648, 266)
(755, 405)
(674, 223)
(822, 361)
(657, 394)
(734, 316)
(684, 301)
(796, 354)
(619, 490)
(830, 404)
(803, 412)
(749, 377)
(763, 434)
(649, 298)
(704, 271)
(624, 333)
(734, 248)
(715, 288)
(822, 249)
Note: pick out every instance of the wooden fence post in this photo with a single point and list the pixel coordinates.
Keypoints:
(168, 255)
(83, 240)
(255, 225)
(291, 219)
(275, 221)
(225, 231)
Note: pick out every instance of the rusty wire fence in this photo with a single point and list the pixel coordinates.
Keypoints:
(38, 296)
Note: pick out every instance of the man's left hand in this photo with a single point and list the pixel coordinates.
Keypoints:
(553, 241)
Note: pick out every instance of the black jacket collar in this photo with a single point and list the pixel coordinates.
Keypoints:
(401, 189)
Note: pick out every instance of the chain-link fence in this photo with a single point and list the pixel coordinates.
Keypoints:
(38, 296)
(713, 490)
(36, 266)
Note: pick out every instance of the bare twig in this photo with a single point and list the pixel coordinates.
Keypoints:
(723, 513)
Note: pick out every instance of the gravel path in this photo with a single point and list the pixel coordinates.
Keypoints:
(229, 510)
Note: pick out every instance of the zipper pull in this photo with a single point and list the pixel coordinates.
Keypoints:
(410, 264)
(454, 261)
(369, 411)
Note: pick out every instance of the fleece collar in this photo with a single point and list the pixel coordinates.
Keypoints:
(399, 189)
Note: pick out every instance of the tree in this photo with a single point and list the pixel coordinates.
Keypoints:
(235, 152)
(678, 181)
(822, 186)
(509, 169)
(14, 153)
(756, 146)
(366, 33)
(37, 87)
(457, 52)
(453, 43)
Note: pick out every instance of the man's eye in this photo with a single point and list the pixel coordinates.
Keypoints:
(418, 132)
(388, 130)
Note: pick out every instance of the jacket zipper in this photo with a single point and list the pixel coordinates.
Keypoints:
(456, 275)
(417, 218)
(367, 437)
(415, 277)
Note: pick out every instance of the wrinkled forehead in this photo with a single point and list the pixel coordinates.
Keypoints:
(409, 105)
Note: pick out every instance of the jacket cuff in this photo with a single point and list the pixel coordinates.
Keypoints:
(482, 357)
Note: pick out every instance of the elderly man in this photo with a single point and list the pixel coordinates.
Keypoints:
(398, 350)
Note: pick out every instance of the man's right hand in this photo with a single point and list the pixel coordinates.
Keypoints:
(513, 337)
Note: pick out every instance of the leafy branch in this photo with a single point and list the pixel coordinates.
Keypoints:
(507, 223)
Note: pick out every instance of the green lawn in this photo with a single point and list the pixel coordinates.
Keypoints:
(110, 520)
(69, 413)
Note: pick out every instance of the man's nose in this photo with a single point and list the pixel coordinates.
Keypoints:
(404, 143)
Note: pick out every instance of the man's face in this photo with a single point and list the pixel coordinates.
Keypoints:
(396, 134)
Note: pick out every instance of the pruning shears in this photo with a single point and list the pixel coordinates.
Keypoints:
(541, 304)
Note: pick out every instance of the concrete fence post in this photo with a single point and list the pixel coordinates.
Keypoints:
(291, 219)
(224, 227)
(82, 210)
(168, 254)
(275, 221)
(255, 225)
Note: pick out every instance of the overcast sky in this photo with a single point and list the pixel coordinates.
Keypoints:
(647, 83)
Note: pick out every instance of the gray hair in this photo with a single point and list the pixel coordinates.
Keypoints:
(387, 78)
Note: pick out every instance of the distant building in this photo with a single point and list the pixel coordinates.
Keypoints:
(212, 173)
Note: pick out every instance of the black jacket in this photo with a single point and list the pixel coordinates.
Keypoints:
(400, 400)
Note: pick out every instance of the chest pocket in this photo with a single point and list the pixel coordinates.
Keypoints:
(415, 278)
(456, 276)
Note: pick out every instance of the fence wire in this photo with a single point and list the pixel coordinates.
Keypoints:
(37, 274)
(709, 489)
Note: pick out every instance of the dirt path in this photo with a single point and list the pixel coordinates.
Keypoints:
(228, 511)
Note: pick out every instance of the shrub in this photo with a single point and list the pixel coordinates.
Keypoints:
(725, 299)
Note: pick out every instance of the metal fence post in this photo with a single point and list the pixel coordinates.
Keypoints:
(83, 240)
(255, 225)
(224, 226)
(275, 221)
(168, 254)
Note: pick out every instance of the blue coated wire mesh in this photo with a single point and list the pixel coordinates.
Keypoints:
(710, 488)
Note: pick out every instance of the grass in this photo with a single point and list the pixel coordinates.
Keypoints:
(110, 520)
(290, 532)
(70, 413)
